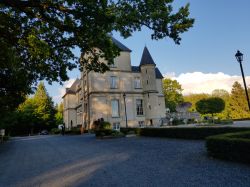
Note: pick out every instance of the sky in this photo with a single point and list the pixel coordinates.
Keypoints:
(205, 59)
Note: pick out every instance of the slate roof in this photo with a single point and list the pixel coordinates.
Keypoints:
(146, 57)
(137, 69)
(74, 85)
(120, 45)
(73, 88)
(158, 74)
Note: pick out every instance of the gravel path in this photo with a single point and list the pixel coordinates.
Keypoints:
(85, 161)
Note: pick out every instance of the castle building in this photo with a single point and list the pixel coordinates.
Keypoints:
(125, 96)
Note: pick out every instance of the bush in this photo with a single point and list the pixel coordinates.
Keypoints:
(194, 133)
(177, 122)
(73, 131)
(105, 125)
(224, 122)
(231, 146)
(55, 131)
(5, 138)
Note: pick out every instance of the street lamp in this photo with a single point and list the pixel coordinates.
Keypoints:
(239, 57)
(124, 97)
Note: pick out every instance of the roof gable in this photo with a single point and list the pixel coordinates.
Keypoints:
(120, 45)
(146, 57)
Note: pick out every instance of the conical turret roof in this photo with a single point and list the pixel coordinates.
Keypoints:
(146, 57)
(120, 45)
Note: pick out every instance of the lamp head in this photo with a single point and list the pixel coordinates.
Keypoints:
(239, 56)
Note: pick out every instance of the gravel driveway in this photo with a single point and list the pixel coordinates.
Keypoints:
(85, 161)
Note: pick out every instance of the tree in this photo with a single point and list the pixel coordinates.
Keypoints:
(37, 113)
(194, 98)
(210, 105)
(238, 104)
(59, 114)
(223, 94)
(38, 37)
(172, 93)
(14, 82)
(45, 107)
(43, 34)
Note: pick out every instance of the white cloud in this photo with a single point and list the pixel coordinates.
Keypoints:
(198, 82)
(61, 90)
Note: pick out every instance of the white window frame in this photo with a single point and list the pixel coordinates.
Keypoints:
(116, 126)
(137, 83)
(113, 82)
(139, 107)
(115, 112)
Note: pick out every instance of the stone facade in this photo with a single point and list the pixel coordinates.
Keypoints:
(136, 88)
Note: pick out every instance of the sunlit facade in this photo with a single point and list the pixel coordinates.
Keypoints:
(95, 96)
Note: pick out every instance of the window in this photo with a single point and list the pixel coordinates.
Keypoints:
(141, 124)
(139, 107)
(137, 82)
(147, 81)
(115, 108)
(113, 82)
(116, 126)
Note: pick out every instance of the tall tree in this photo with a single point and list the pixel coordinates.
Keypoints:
(172, 92)
(45, 107)
(14, 82)
(59, 114)
(44, 33)
(238, 103)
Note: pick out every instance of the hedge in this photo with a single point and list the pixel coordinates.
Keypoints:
(231, 146)
(194, 133)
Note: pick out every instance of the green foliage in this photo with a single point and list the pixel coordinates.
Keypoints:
(105, 125)
(238, 104)
(210, 105)
(177, 121)
(233, 146)
(172, 93)
(193, 133)
(37, 38)
(74, 131)
(35, 114)
(194, 98)
(44, 33)
(14, 81)
(223, 94)
(59, 114)
(55, 131)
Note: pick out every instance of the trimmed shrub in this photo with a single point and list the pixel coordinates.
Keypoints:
(73, 131)
(231, 146)
(55, 131)
(194, 133)
(108, 133)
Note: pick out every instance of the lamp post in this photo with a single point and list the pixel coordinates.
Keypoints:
(124, 97)
(239, 57)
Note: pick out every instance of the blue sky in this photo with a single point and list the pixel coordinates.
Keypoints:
(221, 28)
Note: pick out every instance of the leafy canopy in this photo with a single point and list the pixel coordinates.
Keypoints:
(172, 93)
(238, 104)
(43, 33)
(37, 38)
(210, 105)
